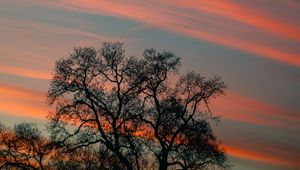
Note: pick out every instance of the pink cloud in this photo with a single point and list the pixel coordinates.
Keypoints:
(258, 156)
(245, 109)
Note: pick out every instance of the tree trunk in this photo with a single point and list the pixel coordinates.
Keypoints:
(163, 163)
(125, 161)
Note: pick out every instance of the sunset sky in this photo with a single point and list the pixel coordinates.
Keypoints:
(254, 45)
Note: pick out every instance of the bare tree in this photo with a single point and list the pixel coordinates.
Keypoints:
(23, 147)
(127, 105)
(180, 128)
(96, 96)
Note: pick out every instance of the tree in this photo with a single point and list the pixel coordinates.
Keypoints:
(100, 102)
(179, 126)
(23, 147)
(127, 105)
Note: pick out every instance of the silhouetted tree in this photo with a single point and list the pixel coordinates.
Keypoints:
(181, 132)
(96, 95)
(23, 147)
(129, 106)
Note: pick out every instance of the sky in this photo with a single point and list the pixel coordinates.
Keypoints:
(254, 45)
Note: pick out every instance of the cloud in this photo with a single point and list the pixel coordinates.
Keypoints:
(25, 72)
(22, 102)
(30, 45)
(246, 14)
(31, 25)
(245, 109)
(247, 154)
(208, 21)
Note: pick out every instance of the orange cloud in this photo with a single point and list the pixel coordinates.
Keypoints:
(258, 156)
(25, 72)
(22, 102)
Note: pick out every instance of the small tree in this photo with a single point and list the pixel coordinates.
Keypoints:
(23, 147)
(127, 105)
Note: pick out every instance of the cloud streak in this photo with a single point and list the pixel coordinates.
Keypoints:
(257, 156)
(20, 101)
(247, 15)
(197, 19)
(25, 72)
(27, 34)
(245, 109)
